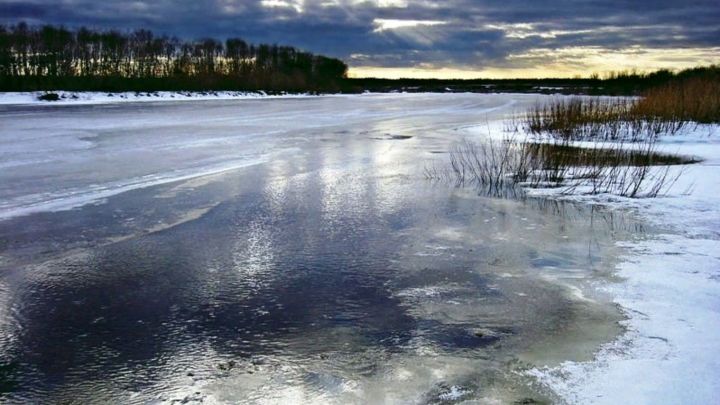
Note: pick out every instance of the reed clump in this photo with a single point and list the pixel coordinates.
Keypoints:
(603, 168)
(618, 154)
(693, 99)
(661, 110)
(606, 119)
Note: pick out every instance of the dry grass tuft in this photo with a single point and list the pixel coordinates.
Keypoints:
(607, 166)
(693, 99)
(603, 168)
(606, 119)
(661, 110)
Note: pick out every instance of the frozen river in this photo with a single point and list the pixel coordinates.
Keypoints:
(56, 157)
(281, 251)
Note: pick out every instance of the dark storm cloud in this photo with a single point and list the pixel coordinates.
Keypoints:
(446, 33)
(16, 10)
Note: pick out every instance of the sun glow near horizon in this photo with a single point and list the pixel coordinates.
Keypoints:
(553, 63)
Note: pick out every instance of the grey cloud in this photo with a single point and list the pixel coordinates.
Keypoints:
(22, 10)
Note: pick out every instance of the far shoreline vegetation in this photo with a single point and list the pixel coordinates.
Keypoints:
(50, 58)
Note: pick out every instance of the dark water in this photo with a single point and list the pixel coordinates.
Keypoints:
(332, 273)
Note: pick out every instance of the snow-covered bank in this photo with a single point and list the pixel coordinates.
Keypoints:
(93, 97)
(670, 293)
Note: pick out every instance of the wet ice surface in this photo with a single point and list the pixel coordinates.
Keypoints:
(55, 157)
(315, 265)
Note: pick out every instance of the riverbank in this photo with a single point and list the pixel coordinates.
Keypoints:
(670, 293)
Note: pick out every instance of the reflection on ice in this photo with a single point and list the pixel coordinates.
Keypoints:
(331, 273)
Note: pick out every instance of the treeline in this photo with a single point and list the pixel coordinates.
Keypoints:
(52, 58)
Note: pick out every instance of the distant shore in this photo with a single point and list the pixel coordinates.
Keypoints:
(617, 84)
(358, 86)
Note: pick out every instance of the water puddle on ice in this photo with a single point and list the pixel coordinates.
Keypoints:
(318, 288)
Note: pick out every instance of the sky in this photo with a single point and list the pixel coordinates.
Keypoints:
(426, 38)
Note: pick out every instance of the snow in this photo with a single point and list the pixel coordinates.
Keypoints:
(455, 393)
(85, 98)
(670, 293)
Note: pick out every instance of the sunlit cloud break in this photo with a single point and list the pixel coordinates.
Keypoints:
(382, 24)
(295, 5)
